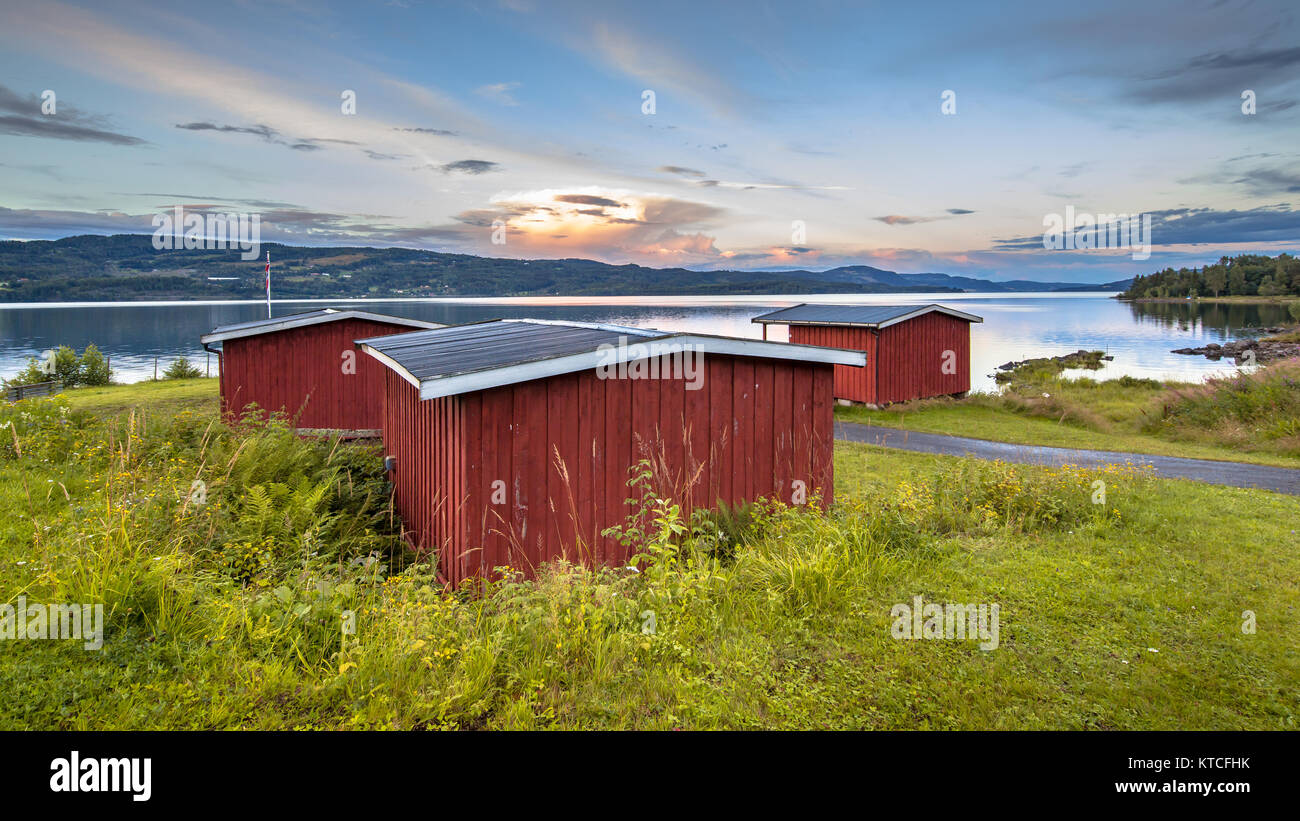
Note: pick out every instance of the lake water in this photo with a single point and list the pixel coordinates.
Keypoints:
(1018, 326)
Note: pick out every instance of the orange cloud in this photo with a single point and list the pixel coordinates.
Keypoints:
(612, 225)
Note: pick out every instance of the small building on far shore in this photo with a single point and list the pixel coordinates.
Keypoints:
(913, 351)
(306, 366)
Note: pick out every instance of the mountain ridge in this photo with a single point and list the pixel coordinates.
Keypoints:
(126, 267)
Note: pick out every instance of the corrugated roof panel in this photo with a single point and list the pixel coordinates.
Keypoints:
(259, 323)
(463, 358)
(486, 345)
(861, 315)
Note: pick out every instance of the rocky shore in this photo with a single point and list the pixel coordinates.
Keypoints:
(1052, 364)
(1261, 350)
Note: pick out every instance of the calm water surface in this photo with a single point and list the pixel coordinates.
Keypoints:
(1140, 337)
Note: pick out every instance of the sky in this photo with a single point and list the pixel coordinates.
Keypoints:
(909, 136)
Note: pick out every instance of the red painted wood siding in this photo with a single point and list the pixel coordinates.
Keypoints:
(904, 361)
(855, 384)
(911, 357)
(300, 371)
(526, 473)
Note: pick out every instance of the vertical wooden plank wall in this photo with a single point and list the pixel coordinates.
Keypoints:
(854, 384)
(429, 440)
(482, 477)
(909, 365)
(300, 372)
(904, 361)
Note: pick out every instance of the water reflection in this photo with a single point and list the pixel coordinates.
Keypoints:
(1018, 326)
(1224, 319)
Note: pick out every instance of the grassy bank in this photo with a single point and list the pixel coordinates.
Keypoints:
(1246, 418)
(226, 612)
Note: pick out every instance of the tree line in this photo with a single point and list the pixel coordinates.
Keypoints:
(1245, 275)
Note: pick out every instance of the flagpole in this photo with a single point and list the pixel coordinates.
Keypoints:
(268, 284)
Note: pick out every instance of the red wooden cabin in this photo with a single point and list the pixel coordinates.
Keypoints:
(306, 366)
(913, 351)
(512, 439)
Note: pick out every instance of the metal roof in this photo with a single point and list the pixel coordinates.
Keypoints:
(284, 323)
(865, 316)
(462, 358)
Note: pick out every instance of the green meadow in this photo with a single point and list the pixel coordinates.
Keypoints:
(275, 592)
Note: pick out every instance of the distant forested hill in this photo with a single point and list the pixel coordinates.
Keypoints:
(1245, 275)
(127, 267)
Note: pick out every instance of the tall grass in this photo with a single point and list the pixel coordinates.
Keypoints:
(1258, 411)
(282, 596)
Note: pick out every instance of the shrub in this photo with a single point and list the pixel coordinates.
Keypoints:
(67, 368)
(94, 368)
(91, 368)
(182, 369)
(31, 374)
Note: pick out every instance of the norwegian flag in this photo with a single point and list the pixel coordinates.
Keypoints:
(268, 284)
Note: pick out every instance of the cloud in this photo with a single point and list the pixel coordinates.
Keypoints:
(801, 148)
(67, 123)
(649, 60)
(1074, 170)
(162, 69)
(1265, 180)
(498, 93)
(588, 199)
(1201, 226)
(610, 225)
(269, 135)
(263, 131)
(188, 198)
(438, 132)
(898, 219)
(680, 170)
(770, 186)
(315, 144)
(469, 167)
(33, 127)
(1215, 75)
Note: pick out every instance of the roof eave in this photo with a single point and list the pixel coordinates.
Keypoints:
(773, 318)
(453, 384)
(289, 324)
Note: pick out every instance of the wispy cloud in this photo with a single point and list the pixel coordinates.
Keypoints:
(681, 171)
(1189, 226)
(25, 119)
(900, 219)
(499, 93)
(1218, 74)
(469, 167)
(438, 132)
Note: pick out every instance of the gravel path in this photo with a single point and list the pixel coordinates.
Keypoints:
(1236, 474)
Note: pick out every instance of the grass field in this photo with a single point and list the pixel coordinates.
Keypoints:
(1248, 419)
(1126, 614)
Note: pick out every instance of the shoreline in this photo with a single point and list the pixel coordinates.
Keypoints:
(616, 299)
(1214, 300)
